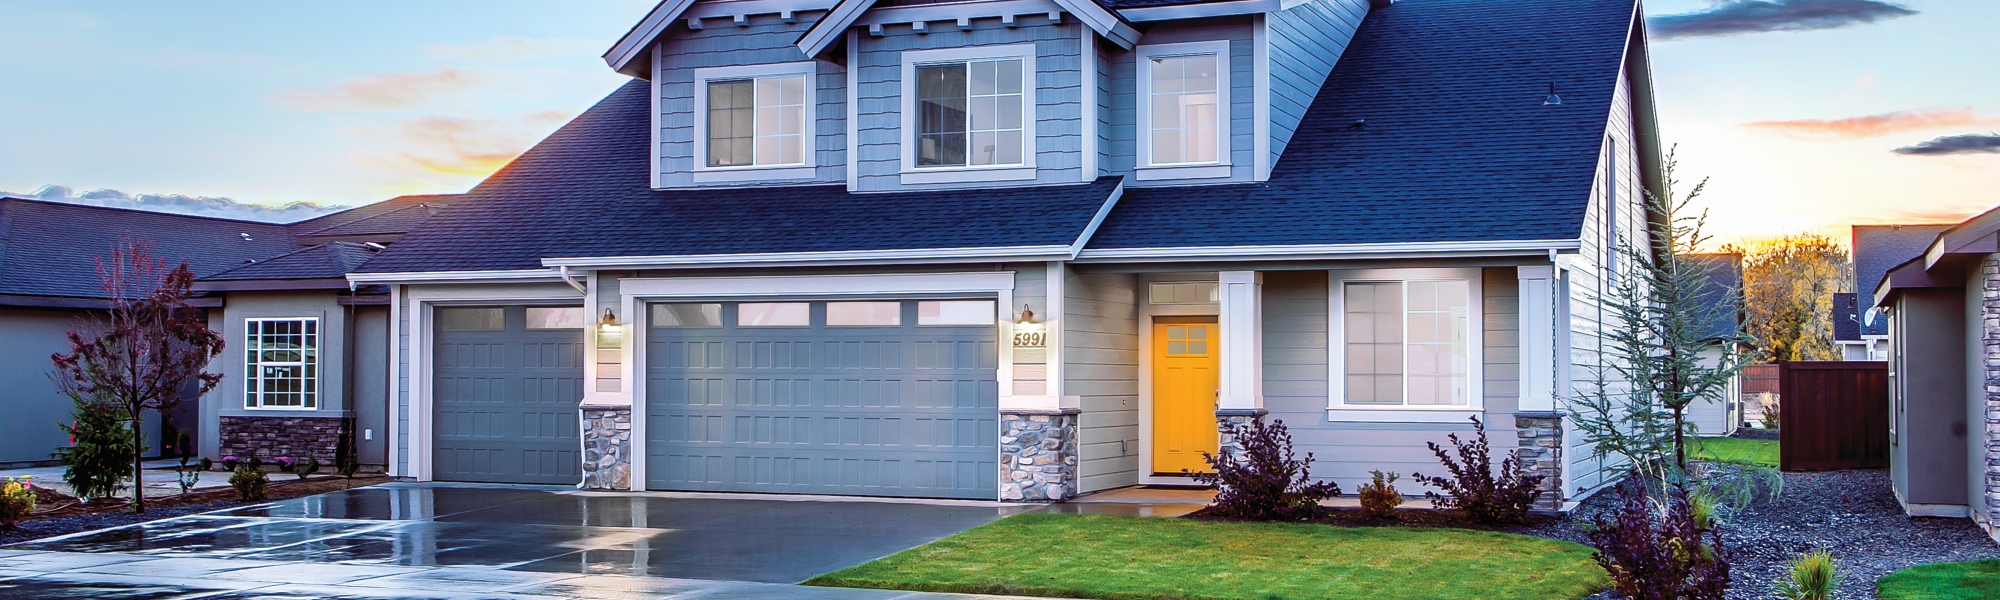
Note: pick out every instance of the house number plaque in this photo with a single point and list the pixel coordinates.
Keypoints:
(1030, 339)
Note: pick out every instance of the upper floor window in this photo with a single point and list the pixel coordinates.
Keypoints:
(281, 363)
(970, 108)
(1184, 109)
(754, 116)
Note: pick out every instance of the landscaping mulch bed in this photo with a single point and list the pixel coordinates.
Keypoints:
(1746, 433)
(1854, 514)
(62, 515)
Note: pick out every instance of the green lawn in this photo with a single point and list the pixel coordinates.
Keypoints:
(1976, 580)
(1096, 556)
(1761, 452)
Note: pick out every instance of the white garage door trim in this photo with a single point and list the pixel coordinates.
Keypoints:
(418, 409)
(635, 292)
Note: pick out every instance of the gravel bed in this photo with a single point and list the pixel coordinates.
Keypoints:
(1747, 433)
(51, 527)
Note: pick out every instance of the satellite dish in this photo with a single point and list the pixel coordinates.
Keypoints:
(1869, 319)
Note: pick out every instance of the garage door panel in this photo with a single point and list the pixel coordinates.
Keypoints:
(505, 400)
(878, 410)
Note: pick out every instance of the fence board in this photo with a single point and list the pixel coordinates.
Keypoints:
(1834, 415)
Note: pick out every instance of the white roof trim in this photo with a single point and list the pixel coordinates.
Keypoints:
(928, 255)
(1341, 251)
(633, 45)
(850, 13)
(1206, 9)
(1090, 230)
(454, 276)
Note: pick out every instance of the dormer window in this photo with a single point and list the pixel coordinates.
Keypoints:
(1184, 110)
(756, 119)
(968, 114)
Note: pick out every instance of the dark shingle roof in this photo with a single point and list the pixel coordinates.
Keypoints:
(1846, 318)
(369, 212)
(1457, 145)
(51, 248)
(325, 261)
(1878, 248)
(584, 192)
(1722, 290)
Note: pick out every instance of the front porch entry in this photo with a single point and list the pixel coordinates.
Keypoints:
(1185, 375)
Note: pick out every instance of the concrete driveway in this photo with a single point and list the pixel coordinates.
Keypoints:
(438, 541)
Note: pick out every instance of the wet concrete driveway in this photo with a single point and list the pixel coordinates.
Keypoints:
(486, 540)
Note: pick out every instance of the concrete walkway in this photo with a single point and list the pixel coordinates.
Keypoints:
(66, 576)
(159, 482)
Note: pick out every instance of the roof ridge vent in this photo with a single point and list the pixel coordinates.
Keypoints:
(1553, 99)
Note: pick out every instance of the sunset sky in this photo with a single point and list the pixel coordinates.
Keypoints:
(1804, 114)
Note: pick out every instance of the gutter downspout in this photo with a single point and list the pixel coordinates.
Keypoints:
(564, 272)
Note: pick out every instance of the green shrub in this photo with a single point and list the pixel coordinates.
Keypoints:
(17, 501)
(307, 468)
(1810, 577)
(250, 483)
(99, 457)
(1379, 498)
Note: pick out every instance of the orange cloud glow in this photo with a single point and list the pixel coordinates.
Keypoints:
(381, 92)
(455, 146)
(1872, 125)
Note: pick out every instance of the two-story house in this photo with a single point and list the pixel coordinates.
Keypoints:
(1026, 249)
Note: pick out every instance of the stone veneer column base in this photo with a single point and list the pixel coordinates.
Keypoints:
(1227, 420)
(1038, 455)
(1539, 449)
(1989, 326)
(295, 436)
(607, 446)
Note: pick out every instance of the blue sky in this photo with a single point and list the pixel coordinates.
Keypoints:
(353, 102)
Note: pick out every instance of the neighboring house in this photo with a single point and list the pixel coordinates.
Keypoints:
(1876, 249)
(1847, 328)
(49, 282)
(1724, 291)
(1942, 300)
(1027, 249)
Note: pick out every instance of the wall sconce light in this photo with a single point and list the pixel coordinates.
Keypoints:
(609, 333)
(1027, 316)
(1027, 332)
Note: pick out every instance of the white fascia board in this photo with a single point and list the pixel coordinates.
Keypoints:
(1103, 21)
(1331, 251)
(830, 27)
(630, 47)
(455, 276)
(937, 255)
(955, 10)
(817, 285)
(1196, 11)
(753, 7)
(1090, 230)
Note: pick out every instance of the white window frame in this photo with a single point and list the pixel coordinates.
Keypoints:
(911, 173)
(1337, 407)
(319, 391)
(1147, 170)
(806, 169)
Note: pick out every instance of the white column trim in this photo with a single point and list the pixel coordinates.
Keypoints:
(853, 110)
(1242, 323)
(1057, 274)
(1090, 124)
(1260, 49)
(398, 465)
(1538, 378)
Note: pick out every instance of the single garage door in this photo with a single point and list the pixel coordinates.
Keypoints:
(507, 383)
(895, 398)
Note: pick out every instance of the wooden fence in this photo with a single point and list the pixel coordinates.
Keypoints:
(1834, 415)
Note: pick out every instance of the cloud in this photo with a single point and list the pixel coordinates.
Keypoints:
(387, 91)
(443, 145)
(510, 49)
(1873, 125)
(206, 206)
(1736, 17)
(1971, 143)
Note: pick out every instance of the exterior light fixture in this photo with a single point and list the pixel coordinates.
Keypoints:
(1027, 332)
(609, 333)
(1027, 316)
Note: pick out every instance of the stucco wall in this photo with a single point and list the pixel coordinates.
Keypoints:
(29, 397)
(227, 398)
(1929, 457)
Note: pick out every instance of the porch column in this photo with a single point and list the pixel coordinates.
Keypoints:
(1537, 420)
(1240, 397)
(1038, 424)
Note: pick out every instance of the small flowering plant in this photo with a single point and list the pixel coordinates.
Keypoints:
(17, 501)
(229, 462)
(284, 463)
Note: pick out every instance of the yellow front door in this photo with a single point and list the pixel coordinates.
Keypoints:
(1185, 372)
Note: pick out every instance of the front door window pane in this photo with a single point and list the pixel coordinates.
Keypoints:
(1185, 109)
(970, 113)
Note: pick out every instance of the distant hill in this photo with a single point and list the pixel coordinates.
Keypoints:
(187, 205)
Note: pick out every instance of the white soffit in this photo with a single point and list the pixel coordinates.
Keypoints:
(850, 13)
(624, 56)
(1205, 9)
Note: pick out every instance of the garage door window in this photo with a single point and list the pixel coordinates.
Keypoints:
(687, 315)
(864, 314)
(555, 317)
(773, 314)
(955, 312)
(281, 364)
(471, 319)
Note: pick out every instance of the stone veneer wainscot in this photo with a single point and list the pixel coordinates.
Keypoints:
(607, 444)
(1989, 324)
(1540, 451)
(1038, 455)
(293, 436)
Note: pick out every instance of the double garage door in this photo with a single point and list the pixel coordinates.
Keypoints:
(877, 398)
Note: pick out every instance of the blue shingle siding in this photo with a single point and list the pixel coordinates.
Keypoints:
(1306, 41)
(1058, 143)
(46, 249)
(582, 192)
(1122, 68)
(1457, 146)
(766, 40)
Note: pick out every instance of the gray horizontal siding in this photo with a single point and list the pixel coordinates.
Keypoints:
(1101, 367)
(1120, 148)
(766, 40)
